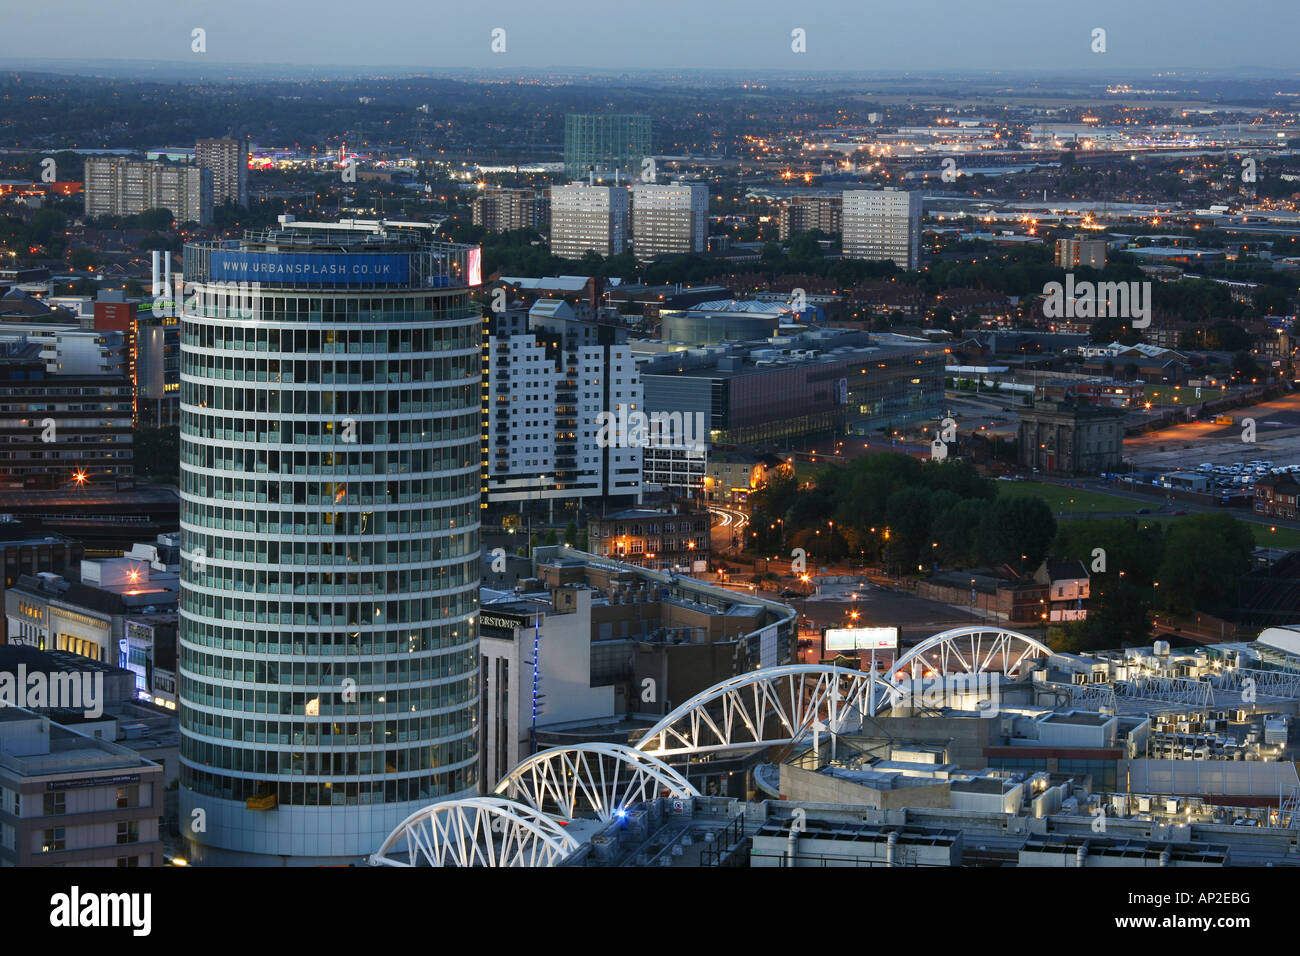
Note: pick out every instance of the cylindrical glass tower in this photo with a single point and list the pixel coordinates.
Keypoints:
(330, 432)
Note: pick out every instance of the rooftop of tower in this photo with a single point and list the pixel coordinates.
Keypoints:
(350, 253)
(343, 235)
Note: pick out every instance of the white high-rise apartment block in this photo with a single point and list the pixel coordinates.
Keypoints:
(669, 219)
(588, 218)
(883, 224)
(550, 376)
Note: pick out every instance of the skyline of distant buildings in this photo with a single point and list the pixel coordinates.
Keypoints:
(343, 633)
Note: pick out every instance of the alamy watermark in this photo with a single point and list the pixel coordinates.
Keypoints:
(76, 910)
(223, 299)
(631, 428)
(59, 690)
(1099, 300)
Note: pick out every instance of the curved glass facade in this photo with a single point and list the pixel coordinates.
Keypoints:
(328, 653)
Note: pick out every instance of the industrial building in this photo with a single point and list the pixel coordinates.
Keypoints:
(673, 540)
(832, 382)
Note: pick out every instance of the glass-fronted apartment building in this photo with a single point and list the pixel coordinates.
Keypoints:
(330, 429)
(599, 145)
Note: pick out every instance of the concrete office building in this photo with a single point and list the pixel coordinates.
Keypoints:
(228, 161)
(85, 612)
(805, 213)
(670, 219)
(505, 210)
(330, 538)
(68, 799)
(883, 224)
(587, 218)
(24, 551)
(552, 372)
(512, 631)
(67, 406)
(125, 187)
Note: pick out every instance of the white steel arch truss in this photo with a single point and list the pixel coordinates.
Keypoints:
(977, 649)
(476, 831)
(602, 778)
(773, 705)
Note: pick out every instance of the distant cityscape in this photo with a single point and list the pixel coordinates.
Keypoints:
(587, 471)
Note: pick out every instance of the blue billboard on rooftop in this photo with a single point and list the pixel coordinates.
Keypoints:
(309, 268)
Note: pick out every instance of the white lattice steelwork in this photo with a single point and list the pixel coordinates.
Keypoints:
(774, 705)
(969, 650)
(1263, 683)
(1092, 696)
(600, 778)
(1170, 690)
(476, 831)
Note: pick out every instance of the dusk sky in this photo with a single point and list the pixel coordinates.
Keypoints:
(915, 35)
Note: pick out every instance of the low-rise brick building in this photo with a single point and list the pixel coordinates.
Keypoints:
(1276, 496)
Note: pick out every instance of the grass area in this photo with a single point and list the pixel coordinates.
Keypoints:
(1186, 394)
(1070, 501)
(1288, 538)
(807, 471)
(1075, 503)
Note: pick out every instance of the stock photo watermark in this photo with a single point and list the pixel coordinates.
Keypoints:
(57, 690)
